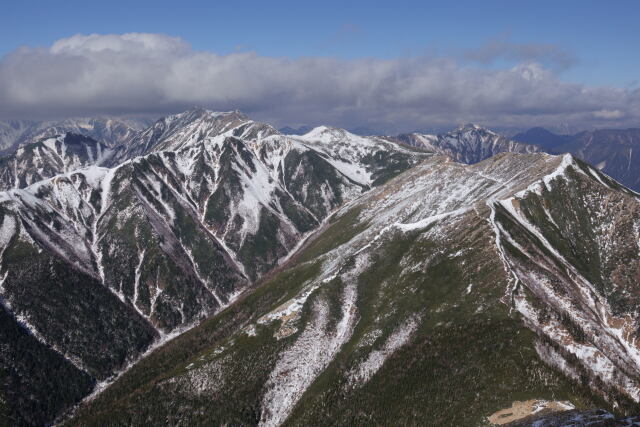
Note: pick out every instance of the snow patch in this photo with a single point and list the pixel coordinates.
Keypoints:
(398, 338)
(301, 363)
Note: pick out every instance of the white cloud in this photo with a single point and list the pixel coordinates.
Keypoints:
(608, 114)
(154, 73)
(146, 44)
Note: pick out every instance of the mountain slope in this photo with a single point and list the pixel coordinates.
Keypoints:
(109, 131)
(467, 144)
(99, 265)
(368, 160)
(176, 131)
(437, 298)
(49, 157)
(542, 137)
(615, 152)
(14, 131)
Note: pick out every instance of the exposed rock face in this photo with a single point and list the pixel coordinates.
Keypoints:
(468, 144)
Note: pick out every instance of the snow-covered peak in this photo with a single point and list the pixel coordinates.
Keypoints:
(472, 128)
(178, 131)
(357, 157)
(327, 134)
(469, 143)
(331, 136)
(469, 126)
(204, 114)
(51, 156)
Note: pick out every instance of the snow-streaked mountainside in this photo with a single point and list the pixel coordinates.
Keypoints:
(439, 298)
(100, 264)
(179, 130)
(362, 159)
(50, 156)
(109, 131)
(13, 132)
(210, 269)
(616, 152)
(467, 144)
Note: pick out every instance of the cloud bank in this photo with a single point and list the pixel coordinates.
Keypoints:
(503, 48)
(154, 73)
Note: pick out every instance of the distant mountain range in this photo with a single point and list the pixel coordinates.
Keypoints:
(616, 152)
(542, 137)
(109, 131)
(210, 269)
(50, 156)
(301, 130)
(467, 144)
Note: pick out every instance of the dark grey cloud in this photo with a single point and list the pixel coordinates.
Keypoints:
(154, 73)
(503, 48)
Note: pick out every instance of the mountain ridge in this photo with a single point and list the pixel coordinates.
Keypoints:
(290, 241)
(469, 143)
(162, 240)
(408, 240)
(107, 130)
(614, 151)
(50, 156)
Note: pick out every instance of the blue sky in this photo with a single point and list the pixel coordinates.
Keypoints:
(603, 36)
(590, 43)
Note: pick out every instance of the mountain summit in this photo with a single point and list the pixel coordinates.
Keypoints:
(469, 143)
